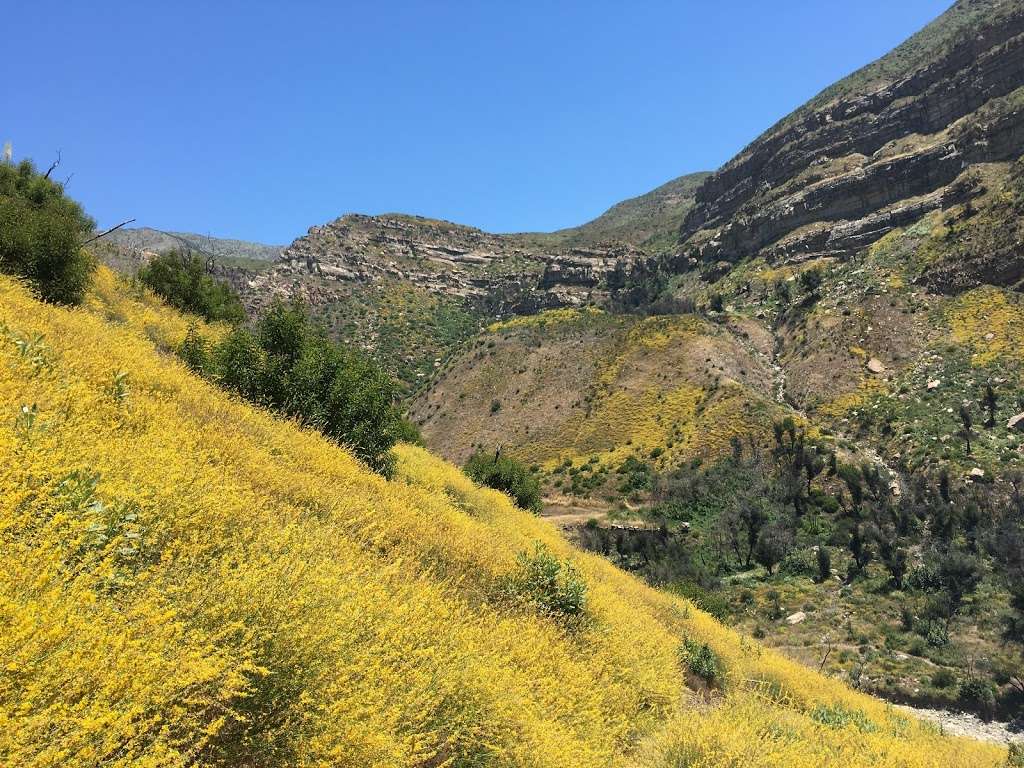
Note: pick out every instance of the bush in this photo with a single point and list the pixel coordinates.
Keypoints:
(706, 600)
(545, 583)
(944, 678)
(182, 281)
(824, 564)
(41, 231)
(506, 474)
(978, 695)
(291, 367)
(194, 351)
(703, 662)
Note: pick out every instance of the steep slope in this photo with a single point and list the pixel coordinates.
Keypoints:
(876, 151)
(189, 581)
(649, 221)
(570, 389)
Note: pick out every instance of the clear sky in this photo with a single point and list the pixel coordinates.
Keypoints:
(257, 120)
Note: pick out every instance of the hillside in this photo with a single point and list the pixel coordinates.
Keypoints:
(263, 599)
(411, 290)
(874, 152)
(858, 270)
(129, 242)
(648, 221)
(588, 389)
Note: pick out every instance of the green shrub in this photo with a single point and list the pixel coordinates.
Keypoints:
(546, 584)
(506, 474)
(838, 716)
(182, 281)
(706, 600)
(979, 695)
(41, 231)
(944, 678)
(195, 352)
(288, 365)
(703, 662)
(1015, 755)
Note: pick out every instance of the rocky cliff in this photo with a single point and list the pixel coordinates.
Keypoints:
(500, 274)
(842, 172)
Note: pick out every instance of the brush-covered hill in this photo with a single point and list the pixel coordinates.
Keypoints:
(649, 221)
(411, 290)
(132, 240)
(189, 581)
(590, 389)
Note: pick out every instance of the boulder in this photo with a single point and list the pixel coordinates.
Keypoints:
(976, 475)
(933, 384)
(796, 618)
(876, 366)
(1016, 423)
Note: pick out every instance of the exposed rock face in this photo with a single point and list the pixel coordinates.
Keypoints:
(498, 274)
(830, 181)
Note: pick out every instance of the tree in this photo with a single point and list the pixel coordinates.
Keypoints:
(860, 545)
(811, 280)
(824, 564)
(290, 366)
(41, 231)
(773, 544)
(506, 474)
(989, 402)
(182, 281)
(967, 424)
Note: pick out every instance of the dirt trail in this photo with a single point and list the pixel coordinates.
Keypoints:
(966, 724)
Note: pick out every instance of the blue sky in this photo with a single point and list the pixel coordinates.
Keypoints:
(257, 120)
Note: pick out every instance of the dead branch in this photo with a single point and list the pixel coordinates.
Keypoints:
(104, 234)
(53, 166)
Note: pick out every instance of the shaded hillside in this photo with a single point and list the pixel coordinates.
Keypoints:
(264, 599)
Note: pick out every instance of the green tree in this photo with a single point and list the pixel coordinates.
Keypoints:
(290, 366)
(508, 475)
(41, 232)
(182, 281)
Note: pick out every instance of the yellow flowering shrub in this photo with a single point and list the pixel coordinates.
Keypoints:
(989, 321)
(189, 581)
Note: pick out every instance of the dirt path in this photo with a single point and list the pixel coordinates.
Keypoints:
(971, 726)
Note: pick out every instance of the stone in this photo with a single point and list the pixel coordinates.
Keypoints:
(876, 366)
(796, 618)
(933, 384)
(976, 475)
(1016, 424)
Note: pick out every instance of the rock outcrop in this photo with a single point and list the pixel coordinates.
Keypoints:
(831, 179)
(498, 274)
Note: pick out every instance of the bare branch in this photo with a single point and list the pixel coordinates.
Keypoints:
(104, 234)
(53, 166)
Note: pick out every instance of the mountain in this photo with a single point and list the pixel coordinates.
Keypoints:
(264, 599)
(909, 134)
(237, 252)
(411, 290)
